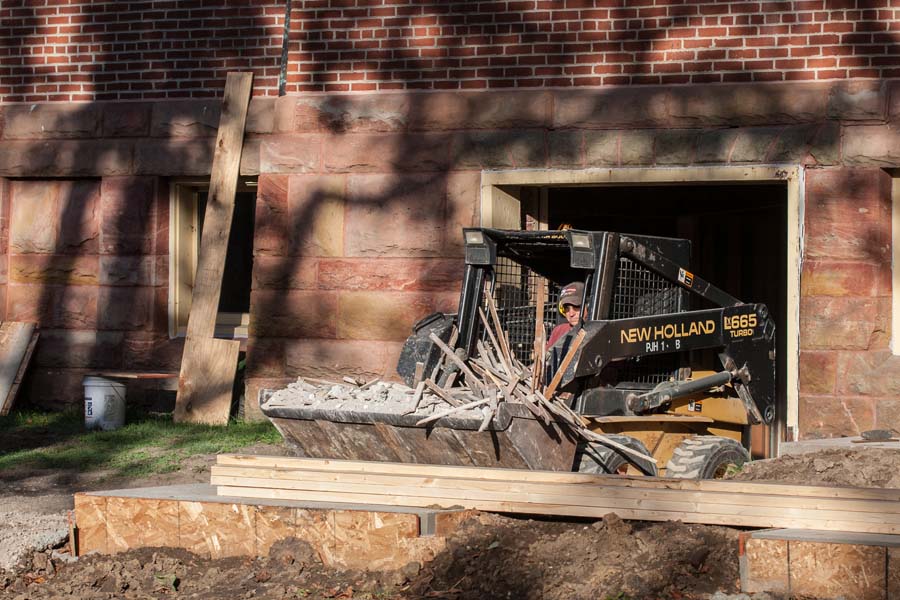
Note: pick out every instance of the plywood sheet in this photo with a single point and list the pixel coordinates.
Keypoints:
(371, 539)
(273, 524)
(217, 530)
(764, 566)
(17, 341)
(837, 570)
(141, 523)
(90, 518)
(893, 573)
(316, 527)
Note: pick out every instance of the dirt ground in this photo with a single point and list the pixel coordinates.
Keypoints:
(491, 556)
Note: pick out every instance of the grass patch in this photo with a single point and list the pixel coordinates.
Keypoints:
(148, 444)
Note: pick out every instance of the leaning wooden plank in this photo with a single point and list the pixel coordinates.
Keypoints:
(727, 502)
(206, 388)
(17, 341)
(318, 464)
(563, 509)
(211, 260)
(219, 206)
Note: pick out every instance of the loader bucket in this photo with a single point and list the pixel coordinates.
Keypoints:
(514, 439)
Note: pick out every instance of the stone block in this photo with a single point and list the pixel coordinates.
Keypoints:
(828, 416)
(636, 147)
(141, 523)
(316, 209)
(185, 118)
(748, 104)
(463, 190)
(887, 416)
(285, 273)
(272, 219)
(825, 148)
(265, 357)
(126, 119)
(62, 348)
(175, 157)
(336, 358)
(821, 278)
(340, 113)
(152, 351)
(715, 145)
(55, 120)
(391, 274)
(818, 371)
(126, 308)
(793, 144)
(291, 154)
(568, 148)
(127, 206)
(871, 145)
(643, 106)
(90, 518)
(293, 313)
(53, 306)
(386, 152)
(868, 374)
(864, 187)
(380, 315)
(676, 146)
(862, 100)
(893, 92)
(479, 110)
(839, 323)
(53, 269)
(498, 149)
(217, 530)
(284, 114)
(601, 148)
(260, 115)
(753, 144)
(130, 270)
(394, 215)
(837, 570)
(54, 389)
(67, 158)
(55, 217)
(763, 565)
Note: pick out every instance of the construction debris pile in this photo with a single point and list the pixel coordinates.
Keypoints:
(460, 386)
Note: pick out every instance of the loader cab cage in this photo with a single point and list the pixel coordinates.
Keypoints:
(512, 264)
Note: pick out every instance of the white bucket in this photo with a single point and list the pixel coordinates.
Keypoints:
(104, 403)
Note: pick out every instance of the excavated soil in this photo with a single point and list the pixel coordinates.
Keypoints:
(491, 556)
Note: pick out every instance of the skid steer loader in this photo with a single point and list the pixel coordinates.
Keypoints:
(682, 385)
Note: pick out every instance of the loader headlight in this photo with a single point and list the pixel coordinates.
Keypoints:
(474, 238)
(581, 240)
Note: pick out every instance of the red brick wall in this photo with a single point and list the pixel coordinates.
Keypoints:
(60, 50)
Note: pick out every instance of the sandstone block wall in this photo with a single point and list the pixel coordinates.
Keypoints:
(360, 202)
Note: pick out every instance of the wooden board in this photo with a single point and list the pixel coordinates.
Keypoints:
(17, 342)
(201, 396)
(319, 464)
(205, 389)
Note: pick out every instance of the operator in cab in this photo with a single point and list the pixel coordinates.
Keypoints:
(570, 298)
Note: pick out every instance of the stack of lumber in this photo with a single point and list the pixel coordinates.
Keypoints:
(731, 503)
(495, 375)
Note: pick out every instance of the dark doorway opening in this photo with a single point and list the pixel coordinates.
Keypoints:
(738, 235)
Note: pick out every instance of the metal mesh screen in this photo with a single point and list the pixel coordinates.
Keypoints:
(515, 294)
(640, 292)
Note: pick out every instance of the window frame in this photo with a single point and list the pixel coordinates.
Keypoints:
(183, 250)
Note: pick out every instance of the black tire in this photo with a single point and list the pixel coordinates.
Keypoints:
(705, 457)
(596, 458)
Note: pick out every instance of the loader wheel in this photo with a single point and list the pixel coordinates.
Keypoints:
(705, 457)
(596, 458)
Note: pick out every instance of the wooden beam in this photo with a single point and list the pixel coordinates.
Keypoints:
(206, 380)
(17, 342)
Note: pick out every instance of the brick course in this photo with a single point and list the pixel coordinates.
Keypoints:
(140, 49)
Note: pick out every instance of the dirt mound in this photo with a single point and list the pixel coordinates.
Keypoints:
(490, 556)
(866, 467)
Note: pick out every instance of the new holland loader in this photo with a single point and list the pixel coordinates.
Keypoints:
(669, 365)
